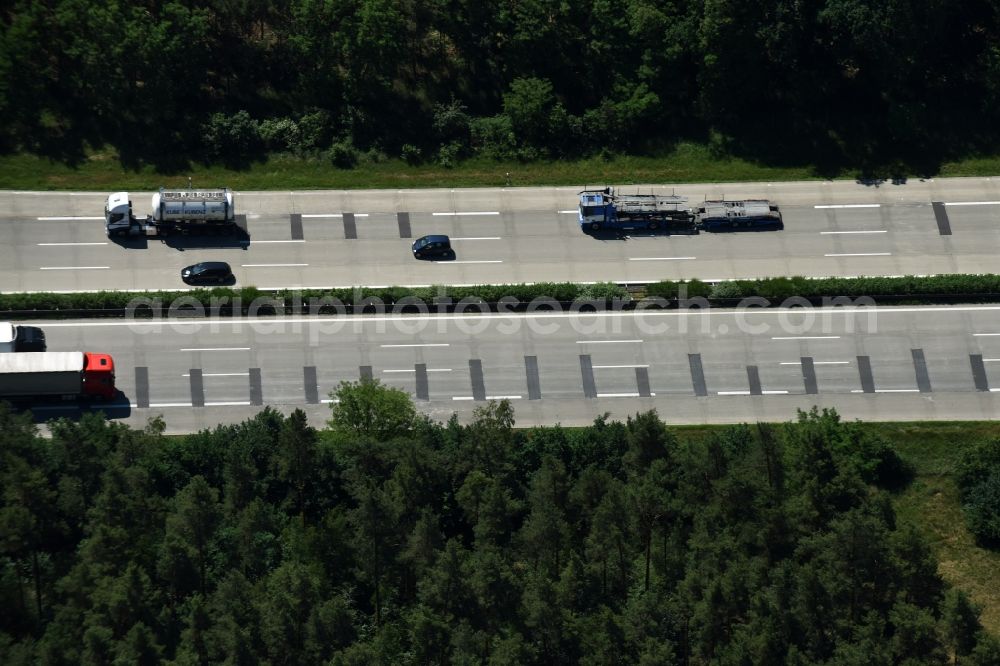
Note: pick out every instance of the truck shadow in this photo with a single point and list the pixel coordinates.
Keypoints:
(41, 412)
(777, 226)
(625, 234)
(239, 239)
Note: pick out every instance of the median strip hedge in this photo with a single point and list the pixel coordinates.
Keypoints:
(908, 289)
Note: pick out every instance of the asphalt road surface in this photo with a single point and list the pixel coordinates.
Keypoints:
(694, 367)
(56, 240)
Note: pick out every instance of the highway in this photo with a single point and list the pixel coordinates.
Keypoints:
(55, 240)
(904, 363)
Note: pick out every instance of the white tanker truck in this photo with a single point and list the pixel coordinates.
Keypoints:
(172, 211)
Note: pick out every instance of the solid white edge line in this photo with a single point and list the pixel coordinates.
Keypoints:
(897, 390)
(215, 348)
(733, 392)
(624, 395)
(634, 365)
(472, 238)
(227, 404)
(774, 392)
(817, 363)
(167, 404)
(66, 244)
(489, 397)
(481, 261)
(270, 265)
(258, 242)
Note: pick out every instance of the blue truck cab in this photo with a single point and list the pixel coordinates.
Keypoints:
(605, 209)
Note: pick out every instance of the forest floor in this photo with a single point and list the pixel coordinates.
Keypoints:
(931, 503)
(688, 163)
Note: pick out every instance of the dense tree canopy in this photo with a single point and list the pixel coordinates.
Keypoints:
(825, 82)
(270, 542)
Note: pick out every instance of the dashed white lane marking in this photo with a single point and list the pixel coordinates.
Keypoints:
(568, 212)
(985, 335)
(67, 244)
(849, 206)
(220, 374)
(65, 218)
(73, 268)
(733, 392)
(807, 337)
(475, 212)
(623, 395)
(661, 258)
(258, 242)
(270, 265)
(481, 261)
(603, 342)
(471, 238)
(859, 254)
(332, 215)
(200, 349)
(972, 203)
(866, 231)
(422, 344)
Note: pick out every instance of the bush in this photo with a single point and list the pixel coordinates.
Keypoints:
(232, 138)
(280, 134)
(316, 131)
(494, 137)
(411, 154)
(343, 155)
(452, 124)
(449, 154)
(982, 509)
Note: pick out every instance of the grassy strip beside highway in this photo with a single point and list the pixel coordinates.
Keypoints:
(687, 163)
(767, 292)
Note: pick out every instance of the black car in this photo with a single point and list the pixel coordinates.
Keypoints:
(427, 247)
(208, 272)
(29, 339)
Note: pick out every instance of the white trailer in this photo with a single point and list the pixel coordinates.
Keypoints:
(64, 375)
(171, 211)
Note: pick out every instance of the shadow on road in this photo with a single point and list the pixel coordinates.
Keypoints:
(42, 411)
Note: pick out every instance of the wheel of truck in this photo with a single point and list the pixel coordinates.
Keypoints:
(653, 226)
(595, 226)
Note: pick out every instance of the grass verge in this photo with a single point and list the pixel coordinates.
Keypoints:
(687, 163)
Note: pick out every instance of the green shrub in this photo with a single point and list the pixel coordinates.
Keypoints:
(343, 155)
(982, 509)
